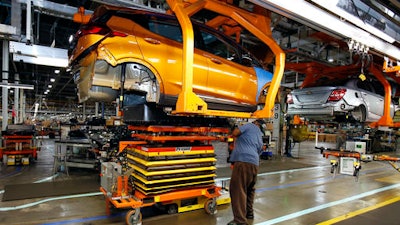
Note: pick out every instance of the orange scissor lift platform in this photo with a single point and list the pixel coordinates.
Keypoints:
(18, 146)
(171, 166)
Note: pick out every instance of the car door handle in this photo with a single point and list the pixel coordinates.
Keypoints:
(152, 41)
(214, 60)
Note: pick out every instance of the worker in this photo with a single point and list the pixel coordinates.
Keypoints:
(341, 140)
(245, 159)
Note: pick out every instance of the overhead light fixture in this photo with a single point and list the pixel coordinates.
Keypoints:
(52, 79)
(18, 86)
(56, 71)
(49, 86)
(332, 5)
(305, 13)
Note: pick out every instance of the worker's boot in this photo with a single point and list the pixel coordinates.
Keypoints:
(250, 215)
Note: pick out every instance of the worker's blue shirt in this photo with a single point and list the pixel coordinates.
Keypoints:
(248, 145)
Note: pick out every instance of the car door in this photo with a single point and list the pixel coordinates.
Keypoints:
(227, 79)
(161, 46)
(374, 101)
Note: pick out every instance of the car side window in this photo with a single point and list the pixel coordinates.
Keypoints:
(167, 29)
(364, 85)
(379, 89)
(214, 45)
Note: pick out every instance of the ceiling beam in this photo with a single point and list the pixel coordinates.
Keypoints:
(55, 9)
(39, 55)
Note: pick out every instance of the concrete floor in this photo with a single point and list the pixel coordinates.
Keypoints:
(298, 190)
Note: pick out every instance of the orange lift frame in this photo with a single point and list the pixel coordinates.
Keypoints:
(190, 103)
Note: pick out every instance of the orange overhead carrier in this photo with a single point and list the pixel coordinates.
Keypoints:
(386, 119)
(258, 24)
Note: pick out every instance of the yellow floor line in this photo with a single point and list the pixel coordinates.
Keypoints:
(359, 212)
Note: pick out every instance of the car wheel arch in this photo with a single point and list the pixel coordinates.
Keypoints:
(150, 68)
(359, 113)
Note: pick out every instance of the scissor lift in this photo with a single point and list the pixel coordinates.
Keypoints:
(171, 166)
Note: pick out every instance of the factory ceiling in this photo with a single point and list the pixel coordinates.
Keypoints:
(303, 39)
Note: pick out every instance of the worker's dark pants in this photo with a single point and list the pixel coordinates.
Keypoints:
(241, 189)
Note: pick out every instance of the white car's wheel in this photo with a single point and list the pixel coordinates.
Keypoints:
(359, 113)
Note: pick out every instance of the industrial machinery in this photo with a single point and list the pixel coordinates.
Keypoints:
(349, 162)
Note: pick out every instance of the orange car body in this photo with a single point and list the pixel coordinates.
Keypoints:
(143, 49)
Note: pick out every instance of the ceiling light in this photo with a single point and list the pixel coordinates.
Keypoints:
(52, 79)
(56, 71)
(49, 86)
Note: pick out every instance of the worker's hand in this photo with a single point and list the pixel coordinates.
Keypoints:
(236, 132)
(231, 166)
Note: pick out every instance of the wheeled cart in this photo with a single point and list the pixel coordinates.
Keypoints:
(117, 195)
(171, 166)
(206, 198)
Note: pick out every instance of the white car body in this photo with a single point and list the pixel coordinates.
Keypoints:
(355, 99)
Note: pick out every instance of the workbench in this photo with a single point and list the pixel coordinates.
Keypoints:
(75, 153)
